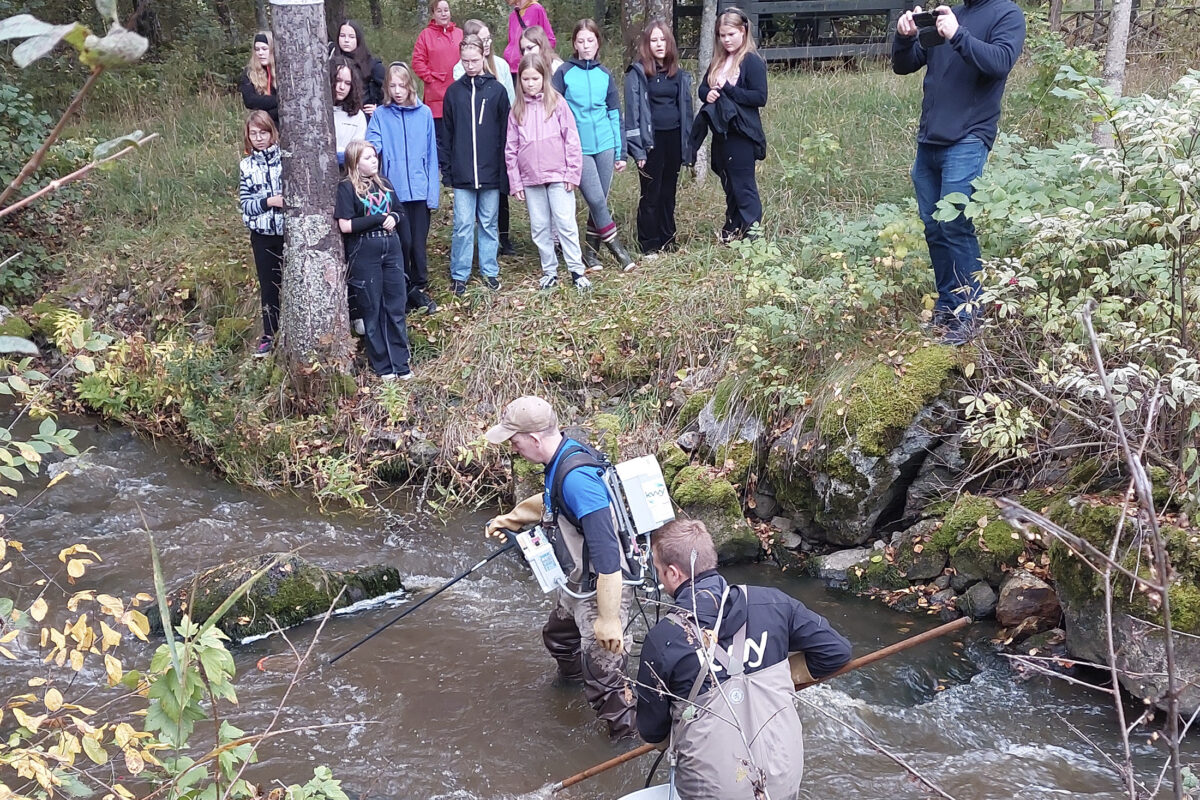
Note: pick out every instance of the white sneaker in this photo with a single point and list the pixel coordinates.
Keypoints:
(357, 326)
(548, 282)
(581, 282)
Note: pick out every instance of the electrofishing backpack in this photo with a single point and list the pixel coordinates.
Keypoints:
(638, 498)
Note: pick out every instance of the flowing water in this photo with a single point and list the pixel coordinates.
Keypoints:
(456, 700)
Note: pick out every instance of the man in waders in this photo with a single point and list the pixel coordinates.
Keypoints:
(585, 632)
(707, 723)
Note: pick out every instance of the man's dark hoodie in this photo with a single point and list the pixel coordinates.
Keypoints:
(965, 77)
(776, 624)
(475, 116)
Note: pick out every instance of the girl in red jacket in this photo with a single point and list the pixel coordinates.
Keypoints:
(545, 163)
(434, 57)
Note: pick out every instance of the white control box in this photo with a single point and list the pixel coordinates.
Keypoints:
(645, 492)
(540, 554)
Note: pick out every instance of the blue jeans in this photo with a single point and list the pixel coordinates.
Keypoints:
(953, 248)
(472, 206)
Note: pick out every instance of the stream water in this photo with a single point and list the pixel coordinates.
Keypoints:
(456, 700)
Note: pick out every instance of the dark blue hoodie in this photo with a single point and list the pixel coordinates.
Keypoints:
(965, 77)
(776, 624)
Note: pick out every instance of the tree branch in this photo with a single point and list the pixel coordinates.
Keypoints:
(36, 159)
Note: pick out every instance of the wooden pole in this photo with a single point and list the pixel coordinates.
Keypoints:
(913, 641)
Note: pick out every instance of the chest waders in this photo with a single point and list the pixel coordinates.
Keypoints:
(741, 739)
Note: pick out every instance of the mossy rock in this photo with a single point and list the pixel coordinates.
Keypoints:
(921, 566)
(671, 458)
(878, 574)
(963, 516)
(15, 326)
(880, 405)
(713, 500)
(607, 428)
(1160, 486)
(528, 479)
(987, 551)
(231, 333)
(290, 592)
(738, 456)
(691, 408)
(722, 397)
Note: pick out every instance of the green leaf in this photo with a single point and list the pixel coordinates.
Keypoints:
(18, 345)
(6, 607)
(85, 364)
(23, 26)
(48, 428)
(39, 46)
(93, 750)
(118, 48)
(11, 474)
(106, 149)
(107, 9)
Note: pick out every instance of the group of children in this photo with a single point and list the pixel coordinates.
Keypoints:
(526, 124)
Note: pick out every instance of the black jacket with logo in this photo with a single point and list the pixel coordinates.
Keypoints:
(776, 625)
(475, 117)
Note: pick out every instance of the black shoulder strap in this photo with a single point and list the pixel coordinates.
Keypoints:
(574, 456)
(520, 19)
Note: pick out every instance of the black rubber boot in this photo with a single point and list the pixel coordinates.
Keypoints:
(591, 252)
(620, 254)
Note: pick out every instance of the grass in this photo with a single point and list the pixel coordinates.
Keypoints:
(162, 251)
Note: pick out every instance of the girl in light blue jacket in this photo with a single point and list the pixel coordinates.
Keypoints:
(402, 132)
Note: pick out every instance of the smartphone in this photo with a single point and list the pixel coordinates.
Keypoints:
(924, 19)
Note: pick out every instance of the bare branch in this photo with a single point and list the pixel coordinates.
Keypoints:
(57, 184)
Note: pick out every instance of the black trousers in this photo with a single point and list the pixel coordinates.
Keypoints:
(268, 262)
(733, 161)
(377, 279)
(414, 236)
(660, 181)
(439, 135)
(504, 215)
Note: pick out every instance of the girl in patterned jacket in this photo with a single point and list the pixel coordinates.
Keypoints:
(260, 194)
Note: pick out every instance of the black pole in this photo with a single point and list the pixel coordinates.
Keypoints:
(509, 545)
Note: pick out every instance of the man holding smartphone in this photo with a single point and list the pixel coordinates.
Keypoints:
(967, 52)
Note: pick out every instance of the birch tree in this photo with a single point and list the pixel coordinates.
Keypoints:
(708, 24)
(314, 323)
(1115, 52)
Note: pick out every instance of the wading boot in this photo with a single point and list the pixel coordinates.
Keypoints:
(620, 254)
(591, 252)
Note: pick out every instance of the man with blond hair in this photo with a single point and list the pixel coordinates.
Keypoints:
(586, 630)
(716, 679)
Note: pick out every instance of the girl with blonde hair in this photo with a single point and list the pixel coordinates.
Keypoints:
(257, 84)
(367, 215)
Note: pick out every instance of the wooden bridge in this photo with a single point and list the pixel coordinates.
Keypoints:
(796, 30)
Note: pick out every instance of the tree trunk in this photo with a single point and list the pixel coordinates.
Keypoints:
(260, 15)
(600, 11)
(376, 14)
(660, 9)
(1114, 62)
(708, 24)
(335, 14)
(633, 17)
(1056, 15)
(423, 13)
(314, 323)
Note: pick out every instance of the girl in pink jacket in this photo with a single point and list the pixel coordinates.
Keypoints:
(524, 13)
(545, 162)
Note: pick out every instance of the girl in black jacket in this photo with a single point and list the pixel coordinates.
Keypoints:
(733, 91)
(258, 79)
(658, 119)
(350, 43)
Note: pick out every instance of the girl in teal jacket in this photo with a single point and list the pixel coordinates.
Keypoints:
(591, 94)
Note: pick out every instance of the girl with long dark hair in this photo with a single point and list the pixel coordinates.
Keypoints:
(658, 119)
(351, 43)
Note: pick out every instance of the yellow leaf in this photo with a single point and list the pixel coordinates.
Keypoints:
(76, 567)
(54, 699)
(76, 660)
(4, 651)
(121, 790)
(982, 522)
(67, 552)
(26, 721)
(968, 370)
(58, 478)
(78, 597)
(8, 637)
(93, 750)
(3, 548)
(37, 681)
(110, 605)
(114, 670)
(38, 610)
(134, 762)
(123, 734)
(83, 726)
(108, 637)
(138, 624)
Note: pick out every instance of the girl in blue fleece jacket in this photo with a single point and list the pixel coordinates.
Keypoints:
(401, 130)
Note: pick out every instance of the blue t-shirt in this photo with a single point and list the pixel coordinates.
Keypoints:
(584, 493)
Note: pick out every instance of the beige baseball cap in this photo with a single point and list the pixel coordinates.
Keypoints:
(527, 414)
